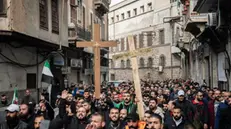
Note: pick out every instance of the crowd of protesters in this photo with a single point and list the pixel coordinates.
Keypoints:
(169, 104)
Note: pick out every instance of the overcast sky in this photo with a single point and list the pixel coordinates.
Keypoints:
(113, 2)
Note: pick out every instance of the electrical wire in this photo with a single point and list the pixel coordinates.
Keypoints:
(23, 65)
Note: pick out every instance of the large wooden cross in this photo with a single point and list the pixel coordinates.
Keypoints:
(136, 78)
(96, 44)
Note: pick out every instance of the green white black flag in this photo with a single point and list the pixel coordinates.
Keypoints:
(47, 76)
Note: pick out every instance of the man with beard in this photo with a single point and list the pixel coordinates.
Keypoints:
(114, 119)
(4, 101)
(128, 103)
(146, 99)
(123, 114)
(78, 121)
(12, 120)
(155, 122)
(212, 108)
(26, 114)
(154, 108)
(133, 122)
(185, 105)
(168, 113)
(97, 122)
(176, 121)
(116, 101)
(37, 121)
(201, 116)
(87, 96)
(225, 116)
(28, 99)
(221, 106)
(87, 106)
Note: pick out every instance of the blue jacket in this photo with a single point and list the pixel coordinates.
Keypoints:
(218, 115)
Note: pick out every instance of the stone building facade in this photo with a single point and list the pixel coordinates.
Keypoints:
(209, 41)
(149, 22)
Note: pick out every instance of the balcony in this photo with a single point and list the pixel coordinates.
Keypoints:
(79, 33)
(195, 21)
(101, 6)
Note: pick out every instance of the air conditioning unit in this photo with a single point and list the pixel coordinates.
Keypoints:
(76, 63)
(212, 19)
(160, 69)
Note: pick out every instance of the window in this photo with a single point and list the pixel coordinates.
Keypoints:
(122, 44)
(122, 16)
(141, 62)
(134, 12)
(128, 63)
(122, 64)
(73, 11)
(135, 40)
(127, 44)
(162, 60)
(2, 7)
(149, 38)
(112, 64)
(112, 20)
(31, 81)
(161, 36)
(112, 77)
(171, 1)
(117, 17)
(43, 14)
(149, 6)
(150, 62)
(141, 40)
(55, 16)
(141, 9)
(129, 14)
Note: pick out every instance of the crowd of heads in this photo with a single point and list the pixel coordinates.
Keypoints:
(182, 103)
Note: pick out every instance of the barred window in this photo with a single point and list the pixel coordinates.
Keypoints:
(55, 16)
(122, 64)
(150, 62)
(141, 62)
(128, 63)
(162, 60)
(73, 11)
(43, 14)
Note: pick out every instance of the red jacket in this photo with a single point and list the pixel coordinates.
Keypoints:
(211, 114)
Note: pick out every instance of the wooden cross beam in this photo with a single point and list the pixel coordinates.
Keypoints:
(96, 44)
(136, 78)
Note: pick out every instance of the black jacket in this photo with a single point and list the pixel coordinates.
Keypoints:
(170, 124)
(121, 125)
(75, 123)
(21, 125)
(30, 121)
(187, 109)
(225, 122)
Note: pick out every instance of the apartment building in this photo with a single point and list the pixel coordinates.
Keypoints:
(152, 24)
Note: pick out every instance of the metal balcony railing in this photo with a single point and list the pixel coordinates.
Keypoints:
(83, 33)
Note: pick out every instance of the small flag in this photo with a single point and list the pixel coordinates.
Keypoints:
(47, 76)
(15, 96)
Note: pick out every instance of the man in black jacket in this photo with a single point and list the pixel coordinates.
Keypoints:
(114, 122)
(186, 106)
(201, 114)
(77, 121)
(176, 121)
(27, 115)
(12, 120)
(225, 116)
